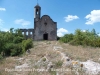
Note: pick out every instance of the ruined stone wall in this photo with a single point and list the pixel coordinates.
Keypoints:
(28, 33)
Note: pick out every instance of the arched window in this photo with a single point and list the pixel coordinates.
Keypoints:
(26, 33)
(31, 33)
(37, 11)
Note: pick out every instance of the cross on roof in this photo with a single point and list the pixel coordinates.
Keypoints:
(37, 2)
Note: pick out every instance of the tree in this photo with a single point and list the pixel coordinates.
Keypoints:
(93, 32)
(11, 43)
(67, 38)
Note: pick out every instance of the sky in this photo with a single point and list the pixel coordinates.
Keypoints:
(69, 14)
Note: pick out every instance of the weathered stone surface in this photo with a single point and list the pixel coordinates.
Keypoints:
(30, 33)
(44, 27)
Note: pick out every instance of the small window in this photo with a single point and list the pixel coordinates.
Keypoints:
(36, 9)
(37, 12)
(26, 33)
(31, 33)
(45, 23)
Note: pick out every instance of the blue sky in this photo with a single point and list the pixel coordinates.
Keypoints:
(69, 14)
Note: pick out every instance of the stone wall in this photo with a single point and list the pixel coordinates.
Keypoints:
(47, 26)
(28, 33)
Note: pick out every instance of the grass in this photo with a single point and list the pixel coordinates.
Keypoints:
(81, 53)
(45, 48)
(52, 72)
(58, 64)
(44, 59)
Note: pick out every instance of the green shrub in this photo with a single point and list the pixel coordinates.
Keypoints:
(53, 72)
(44, 59)
(27, 44)
(1, 57)
(8, 47)
(58, 63)
(17, 50)
(87, 38)
(67, 38)
(13, 43)
(18, 39)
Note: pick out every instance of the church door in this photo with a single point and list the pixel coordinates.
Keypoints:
(45, 36)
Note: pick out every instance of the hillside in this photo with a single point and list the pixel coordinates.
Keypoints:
(53, 58)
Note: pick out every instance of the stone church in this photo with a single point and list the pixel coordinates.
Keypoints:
(44, 27)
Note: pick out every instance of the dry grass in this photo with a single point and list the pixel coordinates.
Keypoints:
(81, 53)
(45, 48)
(6, 63)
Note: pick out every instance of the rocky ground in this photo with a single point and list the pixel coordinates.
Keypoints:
(53, 58)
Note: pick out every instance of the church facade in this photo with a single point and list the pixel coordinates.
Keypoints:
(44, 27)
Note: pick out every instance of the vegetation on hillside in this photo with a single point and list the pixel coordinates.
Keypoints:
(87, 38)
(13, 43)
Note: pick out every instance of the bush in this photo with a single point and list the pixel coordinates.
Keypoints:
(58, 38)
(17, 50)
(1, 57)
(8, 47)
(44, 59)
(59, 63)
(27, 44)
(87, 38)
(18, 39)
(67, 38)
(13, 43)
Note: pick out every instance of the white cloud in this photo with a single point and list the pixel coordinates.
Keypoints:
(61, 32)
(2, 9)
(5, 29)
(22, 22)
(93, 17)
(83, 30)
(70, 18)
(99, 34)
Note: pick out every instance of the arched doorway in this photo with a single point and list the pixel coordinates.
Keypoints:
(45, 36)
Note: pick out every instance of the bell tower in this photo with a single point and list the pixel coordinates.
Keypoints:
(37, 12)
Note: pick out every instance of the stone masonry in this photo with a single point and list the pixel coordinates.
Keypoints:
(44, 27)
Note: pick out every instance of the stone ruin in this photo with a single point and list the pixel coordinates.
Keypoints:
(44, 27)
(28, 33)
